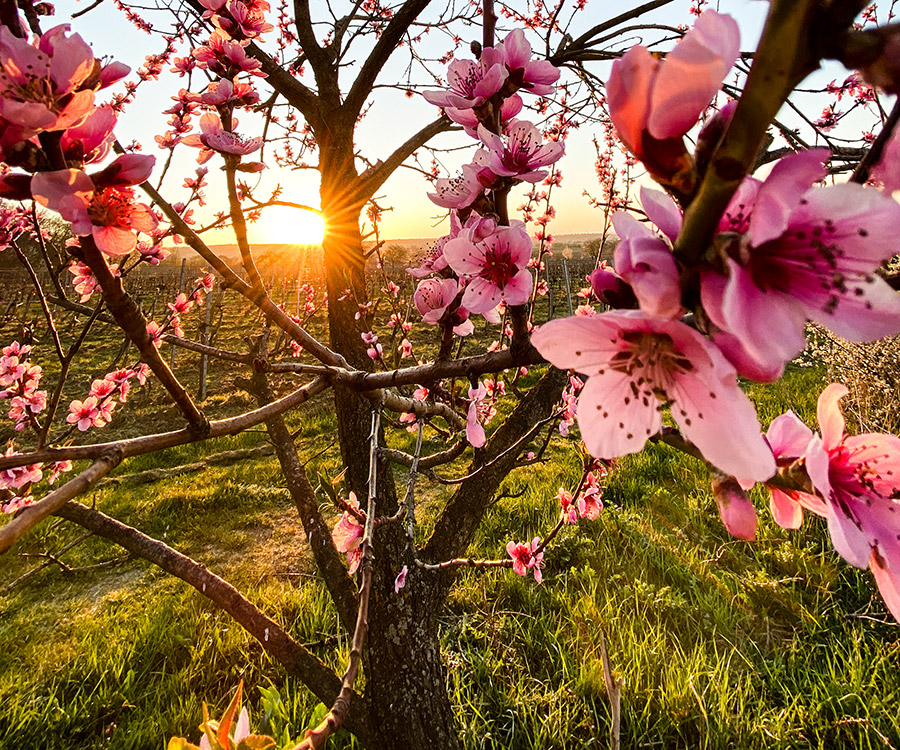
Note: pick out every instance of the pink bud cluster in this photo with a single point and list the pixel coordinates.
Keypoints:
(237, 23)
(182, 304)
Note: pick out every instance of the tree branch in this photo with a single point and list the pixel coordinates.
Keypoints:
(276, 642)
(131, 320)
(150, 443)
(375, 178)
(379, 55)
(328, 559)
(573, 51)
(462, 514)
(31, 515)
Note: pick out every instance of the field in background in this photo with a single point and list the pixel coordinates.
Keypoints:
(721, 643)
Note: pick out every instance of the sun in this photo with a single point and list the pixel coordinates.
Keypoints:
(284, 225)
(306, 228)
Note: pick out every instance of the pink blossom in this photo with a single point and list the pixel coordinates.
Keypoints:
(57, 468)
(243, 20)
(15, 349)
(40, 84)
(610, 288)
(797, 256)
(181, 304)
(861, 486)
(790, 441)
(471, 81)
(535, 76)
(636, 365)
(109, 214)
(432, 298)
(459, 191)
(475, 228)
(19, 476)
(469, 120)
(400, 580)
(735, 508)
(476, 414)
(653, 102)
(152, 254)
(226, 57)
(226, 91)
(85, 414)
(495, 267)
(155, 332)
(83, 280)
(102, 388)
(15, 503)
(645, 262)
(143, 372)
(525, 557)
(523, 152)
(214, 138)
(124, 171)
(347, 535)
(11, 369)
(590, 504)
(569, 511)
(13, 221)
(863, 476)
(92, 140)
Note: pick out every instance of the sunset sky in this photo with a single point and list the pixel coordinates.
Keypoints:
(392, 118)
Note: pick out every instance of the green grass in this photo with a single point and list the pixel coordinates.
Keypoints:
(720, 643)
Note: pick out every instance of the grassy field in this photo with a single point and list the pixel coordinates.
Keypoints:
(720, 643)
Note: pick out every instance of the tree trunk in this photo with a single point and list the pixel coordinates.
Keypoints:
(409, 708)
(405, 689)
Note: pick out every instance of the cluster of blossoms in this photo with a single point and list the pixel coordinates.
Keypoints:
(483, 262)
(785, 252)
(96, 410)
(182, 304)
(586, 503)
(20, 380)
(47, 89)
(16, 483)
(237, 23)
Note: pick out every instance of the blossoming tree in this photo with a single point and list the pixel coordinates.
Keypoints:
(719, 282)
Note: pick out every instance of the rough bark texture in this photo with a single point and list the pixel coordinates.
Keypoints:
(405, 691)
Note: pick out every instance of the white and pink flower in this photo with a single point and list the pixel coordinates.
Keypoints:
(522, 153)
(496, 268)
(798, 253)
(471, 82)
(526, 557)
(636, 365)
(857, 481)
